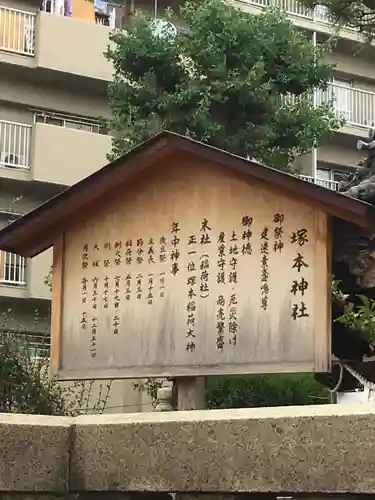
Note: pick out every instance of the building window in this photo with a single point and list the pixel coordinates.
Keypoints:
(72, 122)
(12, 269)
(38, 345)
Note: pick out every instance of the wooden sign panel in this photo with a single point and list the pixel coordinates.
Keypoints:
(195, 271)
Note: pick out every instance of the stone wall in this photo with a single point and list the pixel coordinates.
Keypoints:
(273, 451)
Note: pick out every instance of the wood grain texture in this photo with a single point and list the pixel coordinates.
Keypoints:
(57, 298)
(191, 393)
(323, 295)
(153, 332)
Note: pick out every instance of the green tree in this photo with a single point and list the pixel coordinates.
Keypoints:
(238, 82)
(355, 14)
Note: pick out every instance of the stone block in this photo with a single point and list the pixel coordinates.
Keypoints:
(34, 453)
(323, 449)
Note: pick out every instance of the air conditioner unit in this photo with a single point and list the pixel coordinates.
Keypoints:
(10, 159)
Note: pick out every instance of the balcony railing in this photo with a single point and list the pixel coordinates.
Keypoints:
(293, 7)
(333, 185)
(100, 17)
(15, 144)
(12, 269)
(17, 31)
(356, 106)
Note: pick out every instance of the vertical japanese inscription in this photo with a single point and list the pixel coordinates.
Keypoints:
(163, 249)
(96, 260)
(191, 305)
(300, 285)
(151, 251)
(175, 252)
(140, 251)
(162, 285)
(95, 293)
(233, 258)
(204, 264)
(264, 273)
(128, 286)
(85, 256)
(118, 257)
(247, 234)
(220, 302)
(221, 259)
(84, 320)
(94, 331)
(106, 261)
(278, 232)
(220, 322)
(128, 252)
(232, 319)
(116, 304)
(84, 282)
(105, 292)
(138, 281)
(150, 296)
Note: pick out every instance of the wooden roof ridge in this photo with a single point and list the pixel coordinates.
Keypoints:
(34, 232)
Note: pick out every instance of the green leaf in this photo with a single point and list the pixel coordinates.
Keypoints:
(238, 82)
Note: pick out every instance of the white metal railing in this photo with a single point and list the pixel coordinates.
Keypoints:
(67, 121)
(12, 269)
(17, 31)
(293, 7)
(333, 185)
(15, 144)
(356, 106)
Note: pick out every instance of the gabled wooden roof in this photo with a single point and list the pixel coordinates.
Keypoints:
(34, 232)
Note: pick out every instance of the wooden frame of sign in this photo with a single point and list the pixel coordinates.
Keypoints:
(182, 260)
(199, 272)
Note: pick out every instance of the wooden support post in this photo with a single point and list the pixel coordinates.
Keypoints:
(191, 393)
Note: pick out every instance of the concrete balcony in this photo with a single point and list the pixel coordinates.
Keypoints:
(72, 46)
(48, 41)
(75, 46)
(356, 106)
(49, 153)
(17, 28)
(23, 278)
(65, 156)
(312, 20)
(45, 153)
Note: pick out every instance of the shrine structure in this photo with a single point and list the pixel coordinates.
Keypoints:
(181, 260)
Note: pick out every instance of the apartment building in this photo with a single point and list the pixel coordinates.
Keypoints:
(52, 91)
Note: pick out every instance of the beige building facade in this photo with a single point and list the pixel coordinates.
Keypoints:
(53, 91)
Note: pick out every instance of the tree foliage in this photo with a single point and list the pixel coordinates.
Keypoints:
(264, 390)
(238, 82)
(26, 384)
(359, 313)
(27, 387)
(357, 14)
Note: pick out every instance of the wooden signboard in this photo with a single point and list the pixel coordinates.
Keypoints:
(198, 272)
